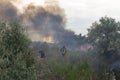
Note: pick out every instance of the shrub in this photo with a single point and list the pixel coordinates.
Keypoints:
(16, 58)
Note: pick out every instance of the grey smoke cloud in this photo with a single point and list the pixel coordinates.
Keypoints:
(42, 21)
(7, 10)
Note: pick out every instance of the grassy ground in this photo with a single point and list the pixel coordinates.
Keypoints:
(59, 70)
(73, 66)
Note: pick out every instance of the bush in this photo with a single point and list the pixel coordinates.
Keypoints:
(16, 59)
(67, 71)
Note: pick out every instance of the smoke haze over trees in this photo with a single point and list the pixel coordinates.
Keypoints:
(44, 23)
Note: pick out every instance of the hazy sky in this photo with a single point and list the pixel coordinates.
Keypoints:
(82, 13)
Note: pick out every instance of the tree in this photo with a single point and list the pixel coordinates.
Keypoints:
(17, 61)
(81, 39)
(105, 36)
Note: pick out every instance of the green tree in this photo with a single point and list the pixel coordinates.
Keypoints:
(81, 39)
(17, 61)
(105, 36)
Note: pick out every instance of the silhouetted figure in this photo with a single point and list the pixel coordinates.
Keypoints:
(42, 54)
(63, 51)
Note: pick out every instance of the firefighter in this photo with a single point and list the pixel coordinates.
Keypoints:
(42, 54)
(63, 51)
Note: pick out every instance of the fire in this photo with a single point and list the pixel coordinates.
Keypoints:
(48, 39)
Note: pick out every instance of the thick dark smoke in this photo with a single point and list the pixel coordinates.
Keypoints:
(8, 11)
(42, 21)
(50, 21)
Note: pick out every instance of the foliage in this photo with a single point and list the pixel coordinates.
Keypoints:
(67, 71)
(81, 39)
(16, 58)
(105, 35)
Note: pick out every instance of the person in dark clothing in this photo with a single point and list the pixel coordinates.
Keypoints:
(63, 51)
(42, 54)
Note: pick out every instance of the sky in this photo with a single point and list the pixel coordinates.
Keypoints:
(82, 13)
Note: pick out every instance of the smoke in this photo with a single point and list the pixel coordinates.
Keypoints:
(7, 10)
(42, 21)
(48, 20)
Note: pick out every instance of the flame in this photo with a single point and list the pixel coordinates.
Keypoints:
(48, 39)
